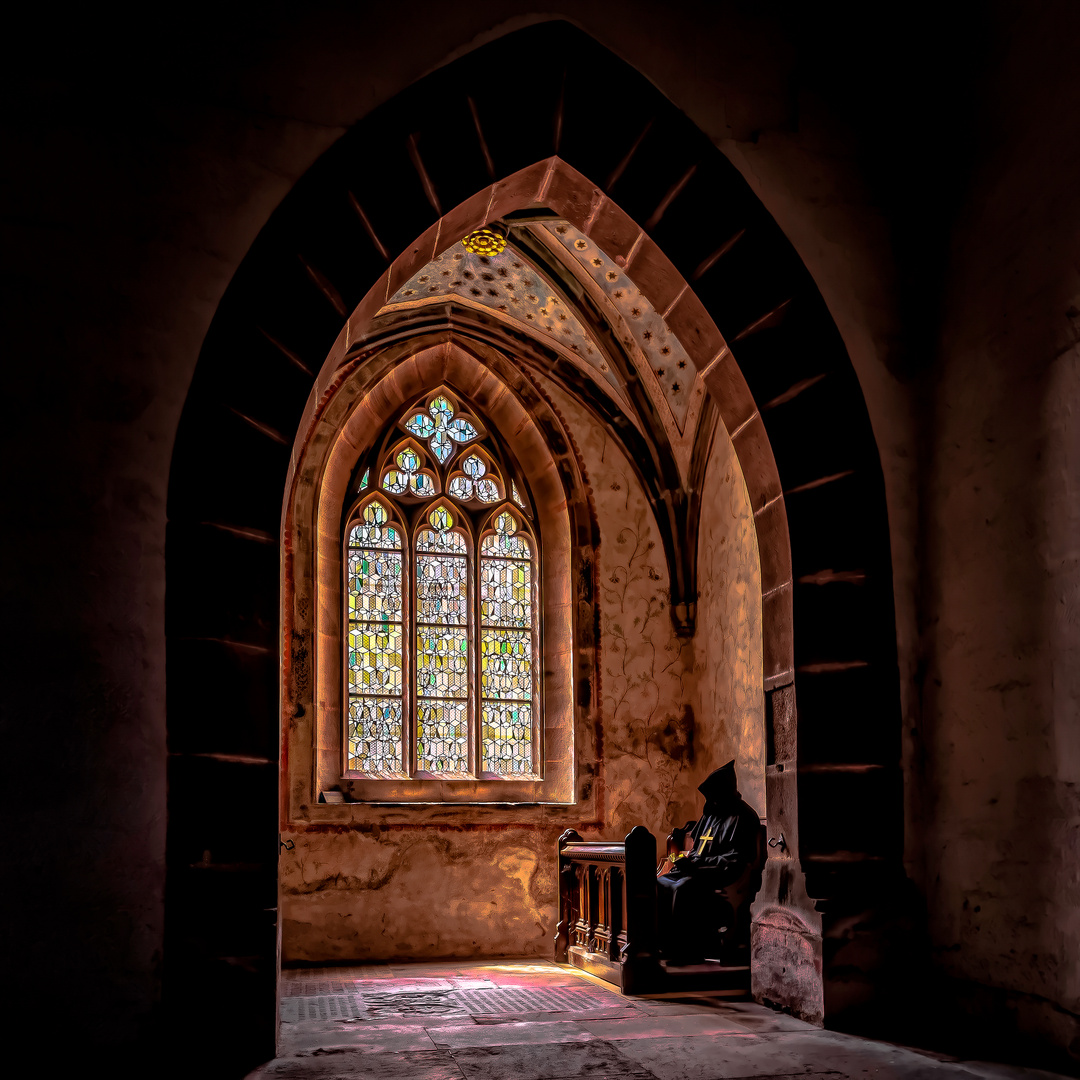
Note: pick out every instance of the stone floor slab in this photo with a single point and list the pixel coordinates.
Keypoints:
(353, 1065)
(660, 1027)
(510, 1034)
(616, 1013)
(360, 1039)
(711, 1057)
(597, 1060)
(420, 1029)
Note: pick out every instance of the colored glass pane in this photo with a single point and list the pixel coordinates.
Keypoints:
(422, 485)
(442, 446)
(375, 530)
(506, 593)
(506, 664)
(487, 490)
(460, 430)
(461, 488)
(441, 519)
(408, 460)
(364, 479)
(442, 737)
(374, 735)
(441, 409)
(442, 661)
(473, 467)
(421, 426)
(374, 575)
(515, 496)
(375, 658)
(374, 584)
(442, 590)
(506, 737)
(395, 481)
(440, 541)
(505, 541)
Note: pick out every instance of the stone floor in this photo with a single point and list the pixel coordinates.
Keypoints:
(527, 1020)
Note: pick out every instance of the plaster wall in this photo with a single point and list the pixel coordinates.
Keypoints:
(459, 889)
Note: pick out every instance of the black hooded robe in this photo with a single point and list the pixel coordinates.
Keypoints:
(725, 844)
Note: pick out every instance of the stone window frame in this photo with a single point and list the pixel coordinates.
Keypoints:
(378, 383)
(476, 525)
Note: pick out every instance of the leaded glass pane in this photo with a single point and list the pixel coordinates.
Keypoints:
(487, 490)
(374, 735)
(364, 479)
(422, 485)
(421, 425)
(506, 734)
(460, 430)
(440, 541)
(506, 593)
(375, 531)
(515, 495)
(442, 590)
(442, 661)
(504, 540)
(442, 737)
(442, 446)
(506, 663)
(375, 658)
(473, 467)
(461, 488)
(441, 410)
(374, 585)
(395, 481)
(408, 460)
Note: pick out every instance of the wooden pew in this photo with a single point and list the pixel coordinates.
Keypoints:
(607, 919)
(607, 908)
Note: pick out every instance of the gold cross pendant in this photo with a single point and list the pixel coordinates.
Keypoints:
(704, 840)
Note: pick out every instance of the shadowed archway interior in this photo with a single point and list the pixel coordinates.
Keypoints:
(654, 193)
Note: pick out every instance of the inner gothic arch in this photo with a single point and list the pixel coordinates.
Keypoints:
(745, 311)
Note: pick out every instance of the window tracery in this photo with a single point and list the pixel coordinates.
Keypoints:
(443, 632)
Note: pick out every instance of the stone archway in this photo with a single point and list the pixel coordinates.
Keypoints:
(792, 402)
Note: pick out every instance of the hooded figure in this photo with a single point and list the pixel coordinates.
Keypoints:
(717, 850)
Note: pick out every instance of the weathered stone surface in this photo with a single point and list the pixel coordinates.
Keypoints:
(671, 711)
(692, 1038)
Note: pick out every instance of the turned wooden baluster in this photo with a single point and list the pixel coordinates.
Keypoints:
(602, 928)
(584, 924)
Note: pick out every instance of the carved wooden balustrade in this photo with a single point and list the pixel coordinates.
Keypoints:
(607, 908)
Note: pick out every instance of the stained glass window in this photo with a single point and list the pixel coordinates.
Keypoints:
(442, 427)
(374, 568)
(468, 639)
(506, 649)
(442, 647)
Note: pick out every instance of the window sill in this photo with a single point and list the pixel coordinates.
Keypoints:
(458, 792)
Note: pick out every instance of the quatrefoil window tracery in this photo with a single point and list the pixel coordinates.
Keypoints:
(442, 428)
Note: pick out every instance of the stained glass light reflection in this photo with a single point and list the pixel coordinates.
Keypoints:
(506, 650)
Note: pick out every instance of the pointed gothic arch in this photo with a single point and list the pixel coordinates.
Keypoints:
(756, 329)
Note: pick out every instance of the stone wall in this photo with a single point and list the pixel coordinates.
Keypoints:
(459, 889)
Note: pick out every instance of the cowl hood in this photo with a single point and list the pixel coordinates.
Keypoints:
(720, 786)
